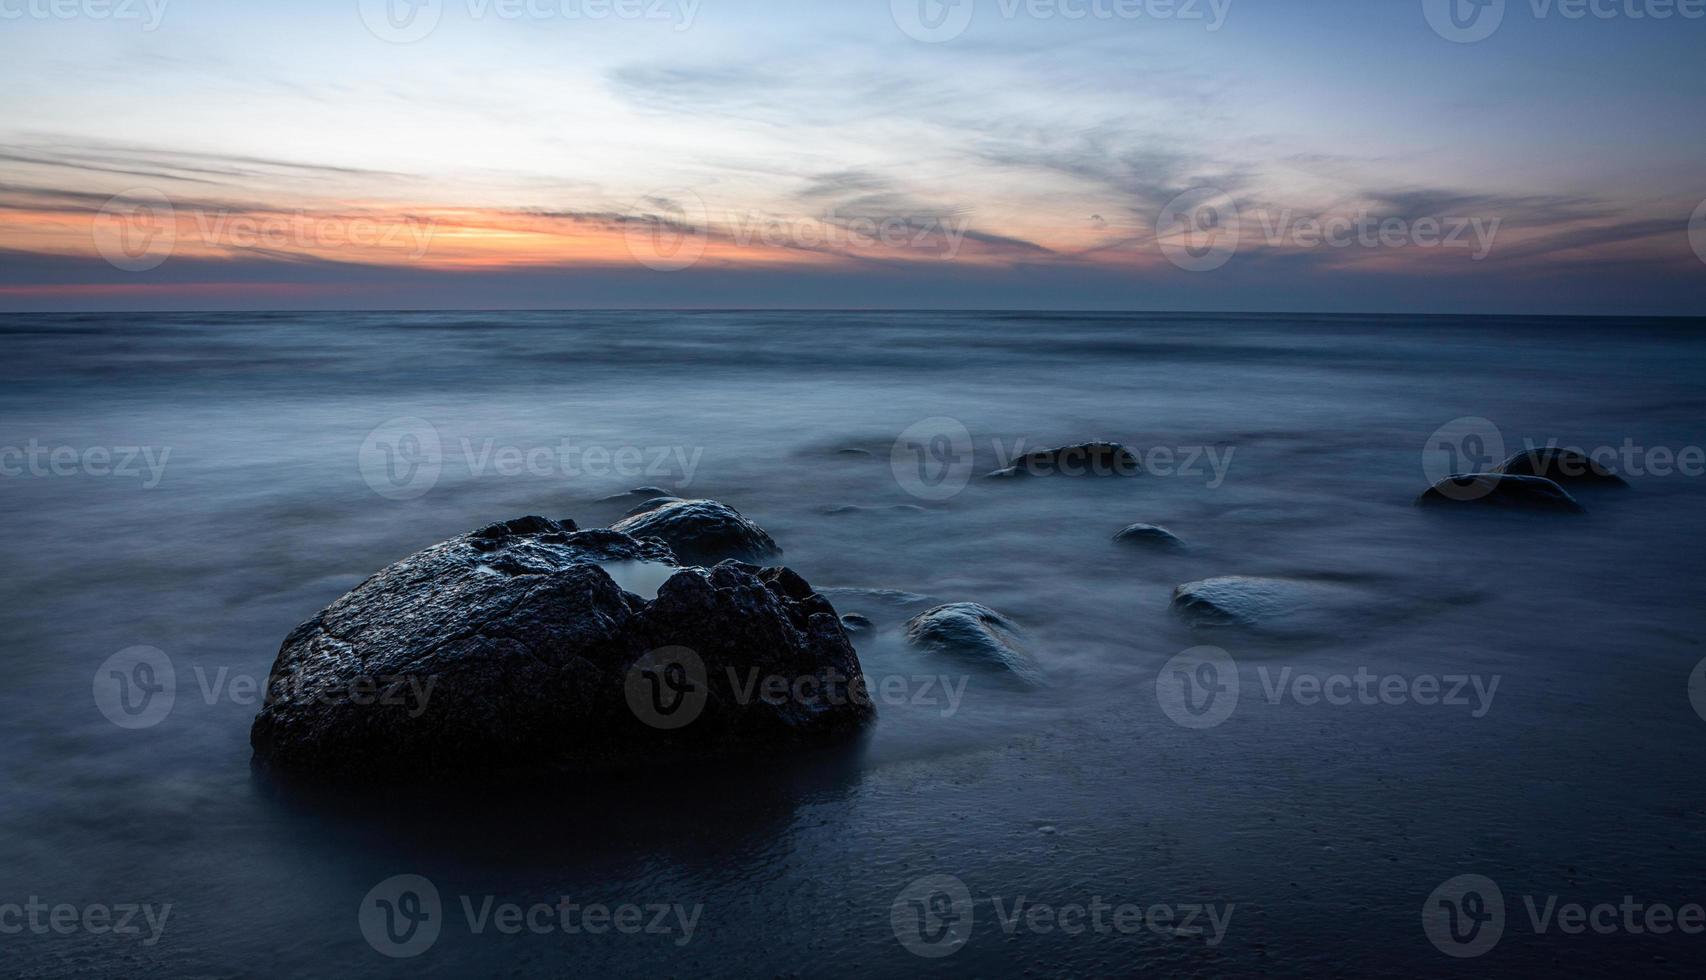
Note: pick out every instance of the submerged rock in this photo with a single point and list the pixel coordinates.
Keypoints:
(703, 532)
(1087, 459)
(650, 505)
(1238, 600)
(1500, 490)
(855, 623)
(1150, 536)
(1314, 606)
(511, 653)
(1565, 467)
(974, 633)
(651, 493)
(844, 510)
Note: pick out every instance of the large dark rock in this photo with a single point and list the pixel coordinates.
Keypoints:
(1087, 459)
(530, 655)
(1565, 467)
(976, 634)
(1503, 491)
(702, 532)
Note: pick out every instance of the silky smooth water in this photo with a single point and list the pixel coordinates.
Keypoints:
(1323, 827)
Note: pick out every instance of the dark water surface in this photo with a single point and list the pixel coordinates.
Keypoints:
(1322, 828)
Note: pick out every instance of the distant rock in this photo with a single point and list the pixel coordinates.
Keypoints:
(854, 452)
(975, 634)
(702, 532)
(844, 510)
(1502, 491)
(1087, 459)
(855, 623)
(1565, 467)
(649, 492)
(1150, 536)
(509, 653)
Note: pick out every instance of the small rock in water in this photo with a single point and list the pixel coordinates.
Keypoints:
(853, 452)
(1499, 490)
(855, 623)
(702, 532)
(844, 510)
(1565, 467)
(1087, 459)
(1150, 536)
(1238, 600)
(976, 633)
(511, 653)
(626, 496)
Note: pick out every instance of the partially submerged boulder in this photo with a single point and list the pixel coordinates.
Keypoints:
(702, 532)
(1503, 491)
(1565, 467)
(975, 634)
(510, 653)
(1086, 459)
(1315, 605)
(1150, 536)
(1240, 600)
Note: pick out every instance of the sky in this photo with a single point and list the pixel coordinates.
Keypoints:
(1451, 156)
